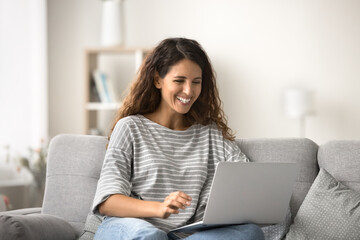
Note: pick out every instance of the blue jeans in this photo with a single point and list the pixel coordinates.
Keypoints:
(134, 228)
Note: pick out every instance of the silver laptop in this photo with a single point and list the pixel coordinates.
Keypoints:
(247, 193)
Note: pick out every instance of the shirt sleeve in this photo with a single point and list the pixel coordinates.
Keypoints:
(116, 170)
(233, 152)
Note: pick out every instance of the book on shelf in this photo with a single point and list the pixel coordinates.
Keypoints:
(104, 87)
(94, 93)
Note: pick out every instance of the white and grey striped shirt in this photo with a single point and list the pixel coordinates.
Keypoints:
(149, 161)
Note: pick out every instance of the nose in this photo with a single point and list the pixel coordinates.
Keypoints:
(187, 88)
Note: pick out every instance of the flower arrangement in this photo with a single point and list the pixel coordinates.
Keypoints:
(36, 164)
(5, 204)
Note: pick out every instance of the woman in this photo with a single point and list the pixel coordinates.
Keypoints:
(166, 141)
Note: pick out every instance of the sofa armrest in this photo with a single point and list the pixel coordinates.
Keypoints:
(35, 227)
(22, 211)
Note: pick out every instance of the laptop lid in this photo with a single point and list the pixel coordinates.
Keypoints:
(250, 192)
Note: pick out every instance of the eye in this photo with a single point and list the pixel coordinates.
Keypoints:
(197, 82)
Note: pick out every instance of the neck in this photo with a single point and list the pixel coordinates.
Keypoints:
(171, 121)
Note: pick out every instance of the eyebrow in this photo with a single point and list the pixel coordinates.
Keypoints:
(183, 77)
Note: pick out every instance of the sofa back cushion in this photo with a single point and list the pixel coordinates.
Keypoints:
(73, 169)
(341, 158)
(298, 150)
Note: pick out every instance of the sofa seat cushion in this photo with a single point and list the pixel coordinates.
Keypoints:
(35, 227)
(330, 211)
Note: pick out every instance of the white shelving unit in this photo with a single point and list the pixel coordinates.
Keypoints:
(97, 106)
(123, 64)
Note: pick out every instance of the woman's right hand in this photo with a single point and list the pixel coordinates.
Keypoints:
(173, 202)
(119, 205)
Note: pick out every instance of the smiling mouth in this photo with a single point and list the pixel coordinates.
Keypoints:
(184, 100)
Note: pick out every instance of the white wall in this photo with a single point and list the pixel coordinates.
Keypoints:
(23, 82)
(258, 49)
(72, 26)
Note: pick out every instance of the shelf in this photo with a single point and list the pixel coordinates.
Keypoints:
(95, 106)
(120, 64)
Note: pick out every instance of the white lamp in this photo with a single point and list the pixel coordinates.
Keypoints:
(111, 23)
(298, 103)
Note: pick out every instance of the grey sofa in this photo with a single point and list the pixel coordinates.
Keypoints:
(75, 161)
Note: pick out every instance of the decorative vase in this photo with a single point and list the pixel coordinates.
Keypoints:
(111, 23)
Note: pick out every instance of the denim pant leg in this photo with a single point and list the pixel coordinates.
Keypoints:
(239, 232)
(114, 228)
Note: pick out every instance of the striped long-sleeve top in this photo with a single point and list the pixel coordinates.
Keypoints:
(149, 161)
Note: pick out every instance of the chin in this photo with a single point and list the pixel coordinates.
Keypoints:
(183, 111)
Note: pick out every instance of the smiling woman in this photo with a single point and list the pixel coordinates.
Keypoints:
(165, 144)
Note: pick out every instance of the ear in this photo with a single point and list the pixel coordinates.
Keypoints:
(157, 81)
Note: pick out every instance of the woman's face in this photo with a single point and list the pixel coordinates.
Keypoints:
(180, 87)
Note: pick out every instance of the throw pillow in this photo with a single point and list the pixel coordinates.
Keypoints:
(330, 210)
(35, 227)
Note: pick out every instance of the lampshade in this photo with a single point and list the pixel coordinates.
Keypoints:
(297, 102)
(111, 23)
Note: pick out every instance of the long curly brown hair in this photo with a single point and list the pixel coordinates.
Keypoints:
(145, 98)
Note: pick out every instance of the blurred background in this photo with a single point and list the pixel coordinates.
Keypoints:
(284, 69)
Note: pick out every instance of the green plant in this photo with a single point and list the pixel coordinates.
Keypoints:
(36, 163)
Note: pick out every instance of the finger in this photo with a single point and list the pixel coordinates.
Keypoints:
(177, 200)
(183, 198)
(183, 195)
(174, 204)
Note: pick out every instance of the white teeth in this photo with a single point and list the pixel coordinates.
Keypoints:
(184, 100)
